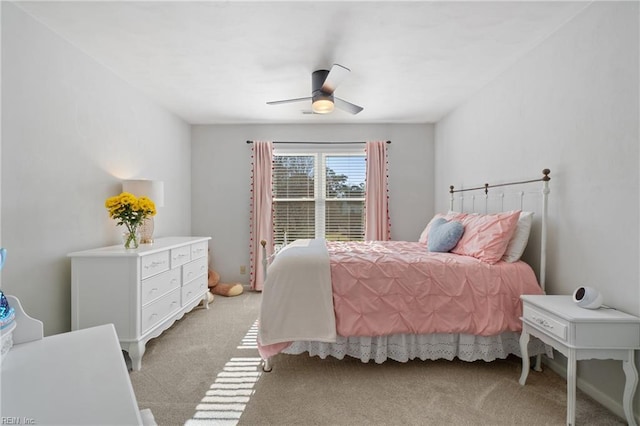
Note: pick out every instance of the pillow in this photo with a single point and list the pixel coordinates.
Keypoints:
(444, 235)
(486, 236)
(520, 238)
(424, 237)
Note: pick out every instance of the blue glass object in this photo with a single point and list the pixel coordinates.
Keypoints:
(7, 313)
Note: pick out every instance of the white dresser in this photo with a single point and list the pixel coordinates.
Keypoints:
(142, 292)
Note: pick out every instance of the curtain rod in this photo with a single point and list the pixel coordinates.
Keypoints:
(320, 143)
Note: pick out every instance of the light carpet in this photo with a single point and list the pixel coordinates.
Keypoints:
(205, 370)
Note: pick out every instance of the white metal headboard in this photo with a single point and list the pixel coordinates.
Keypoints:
(517, 199)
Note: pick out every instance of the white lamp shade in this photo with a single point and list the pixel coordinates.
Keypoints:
(152, 189)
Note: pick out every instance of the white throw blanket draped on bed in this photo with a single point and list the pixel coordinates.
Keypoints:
(299, 282)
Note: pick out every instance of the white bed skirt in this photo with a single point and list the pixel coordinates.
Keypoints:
(405, 347)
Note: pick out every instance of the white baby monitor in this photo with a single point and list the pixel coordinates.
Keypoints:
(587, 297)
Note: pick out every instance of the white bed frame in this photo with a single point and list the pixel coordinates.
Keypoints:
(467, 200)
(517, 199)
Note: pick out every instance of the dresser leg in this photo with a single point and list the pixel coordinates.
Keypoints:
(136, 350)
(524, 353)
(631, 374)
(205, 300)
(571, 388)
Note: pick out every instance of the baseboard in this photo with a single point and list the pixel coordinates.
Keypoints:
(586, 387)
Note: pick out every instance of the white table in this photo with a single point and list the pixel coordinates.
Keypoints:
(579, 334)
(76, 378)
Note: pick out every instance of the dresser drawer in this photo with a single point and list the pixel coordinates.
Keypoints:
(194, 269)
(154, 264)
(180, 256)
(545, 322)
(160, 309)
(199, 250)
(194, 289)
(158, 285)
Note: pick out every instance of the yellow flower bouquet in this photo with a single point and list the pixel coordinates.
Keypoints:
(130, 211)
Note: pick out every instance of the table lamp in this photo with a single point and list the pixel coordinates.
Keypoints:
(152, 189)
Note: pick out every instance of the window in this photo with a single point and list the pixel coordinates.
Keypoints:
(318, 195)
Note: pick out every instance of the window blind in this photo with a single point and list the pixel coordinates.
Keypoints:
(344, 195)
(318, 195)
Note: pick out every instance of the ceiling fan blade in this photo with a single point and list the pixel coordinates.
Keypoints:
(288, 101)
(347, 106)
(337, 73)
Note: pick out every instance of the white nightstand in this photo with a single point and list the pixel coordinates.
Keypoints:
(579, 334)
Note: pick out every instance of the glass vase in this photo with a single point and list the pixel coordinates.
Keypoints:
(131, 239)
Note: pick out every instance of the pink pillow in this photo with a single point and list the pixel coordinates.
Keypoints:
(486, 236)
(449, 216)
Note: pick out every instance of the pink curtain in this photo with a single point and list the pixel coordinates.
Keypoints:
(376, 199)
(261, 210)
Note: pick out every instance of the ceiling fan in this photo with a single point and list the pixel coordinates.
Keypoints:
(323, 84)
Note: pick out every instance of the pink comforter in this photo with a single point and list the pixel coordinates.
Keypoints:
(389, 287)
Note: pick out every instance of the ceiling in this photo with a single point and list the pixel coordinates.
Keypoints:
(213, 62)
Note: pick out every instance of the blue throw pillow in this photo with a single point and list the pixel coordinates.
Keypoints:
(443, 235)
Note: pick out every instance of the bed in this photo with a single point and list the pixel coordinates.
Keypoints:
(425, 299)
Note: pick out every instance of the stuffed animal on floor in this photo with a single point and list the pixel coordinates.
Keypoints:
(223, 289)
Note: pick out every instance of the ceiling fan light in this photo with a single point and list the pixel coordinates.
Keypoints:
(322, 106)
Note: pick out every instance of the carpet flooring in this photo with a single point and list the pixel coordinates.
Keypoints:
(205, 370)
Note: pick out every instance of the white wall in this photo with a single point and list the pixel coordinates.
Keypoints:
(571, 105)
(221, 166)
(71, 131)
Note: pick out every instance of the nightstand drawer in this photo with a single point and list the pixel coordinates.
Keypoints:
(545, 322)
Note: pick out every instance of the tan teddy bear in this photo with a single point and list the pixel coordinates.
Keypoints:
(223, 289)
